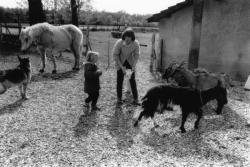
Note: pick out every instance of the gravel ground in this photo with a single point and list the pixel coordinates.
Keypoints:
(52, 128)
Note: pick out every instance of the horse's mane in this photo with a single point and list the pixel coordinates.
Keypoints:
(37, 29)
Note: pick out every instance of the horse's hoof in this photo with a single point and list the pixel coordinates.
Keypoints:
(24, 98)
(183, 130)
(54, 72)
(41, 71)
(136, 124)
(157, 126)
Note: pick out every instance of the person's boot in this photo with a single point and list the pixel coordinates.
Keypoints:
(86, 105)
(119, 101)
(136, 102)
(95, 108)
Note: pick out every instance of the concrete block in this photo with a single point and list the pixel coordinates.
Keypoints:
(247, 84)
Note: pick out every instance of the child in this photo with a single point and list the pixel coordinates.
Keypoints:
(92, 83)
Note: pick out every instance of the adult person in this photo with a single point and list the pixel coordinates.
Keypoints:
(126, 53)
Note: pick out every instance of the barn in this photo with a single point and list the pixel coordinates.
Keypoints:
(221, 35)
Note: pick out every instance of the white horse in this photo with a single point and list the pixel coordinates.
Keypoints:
(53, 39)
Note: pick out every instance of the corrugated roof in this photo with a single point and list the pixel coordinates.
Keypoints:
(169, 11)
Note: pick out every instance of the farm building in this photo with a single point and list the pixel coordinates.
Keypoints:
(224, 38)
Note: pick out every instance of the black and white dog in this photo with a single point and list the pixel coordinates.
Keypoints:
(190, 100)
(19, 76)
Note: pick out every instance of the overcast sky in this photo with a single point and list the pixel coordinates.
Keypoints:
(129, 6)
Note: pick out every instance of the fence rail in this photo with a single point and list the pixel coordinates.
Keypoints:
(9, 33)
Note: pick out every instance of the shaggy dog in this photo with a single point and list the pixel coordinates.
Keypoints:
(53, 39)
(190, 100)
(19, 76)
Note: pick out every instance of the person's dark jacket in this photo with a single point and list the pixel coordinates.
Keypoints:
(91, 74)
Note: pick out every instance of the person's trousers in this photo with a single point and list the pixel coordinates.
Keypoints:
(120, 78)
(92, 97)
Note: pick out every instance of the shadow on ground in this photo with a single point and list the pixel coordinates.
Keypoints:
(120, 127)
(10, 108)
(49, 76)
(86, 122)
(204, 143)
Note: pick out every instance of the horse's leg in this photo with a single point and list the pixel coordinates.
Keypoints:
(76, 52)
(184, 118)
(199, 115)
(21, 89)
(43, 54)
(219, 107)
(54, 63)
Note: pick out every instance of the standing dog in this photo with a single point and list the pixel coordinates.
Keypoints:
(19, 76)
(190, 100)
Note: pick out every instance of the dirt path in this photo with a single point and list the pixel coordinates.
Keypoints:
(53, 129)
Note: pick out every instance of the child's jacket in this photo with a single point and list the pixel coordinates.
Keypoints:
(91, 74)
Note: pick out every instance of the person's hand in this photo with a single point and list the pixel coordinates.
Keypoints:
(99, 72)
(124, 70)
(133, 69)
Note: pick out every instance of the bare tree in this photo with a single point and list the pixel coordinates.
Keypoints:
(77, 6)
(36, 13)
(74, 12)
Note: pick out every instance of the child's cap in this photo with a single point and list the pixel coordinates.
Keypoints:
(92, 56)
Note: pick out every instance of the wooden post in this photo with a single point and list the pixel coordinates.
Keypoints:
(87, 41)
(74, 16)
(108, 51)
(1, 32)
(193, 59)
(19, 24)
(87, 38)
(160, 68)
(152, 56)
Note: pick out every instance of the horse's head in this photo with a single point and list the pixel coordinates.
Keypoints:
(181, 75)
(26, 39)
(169, 72)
